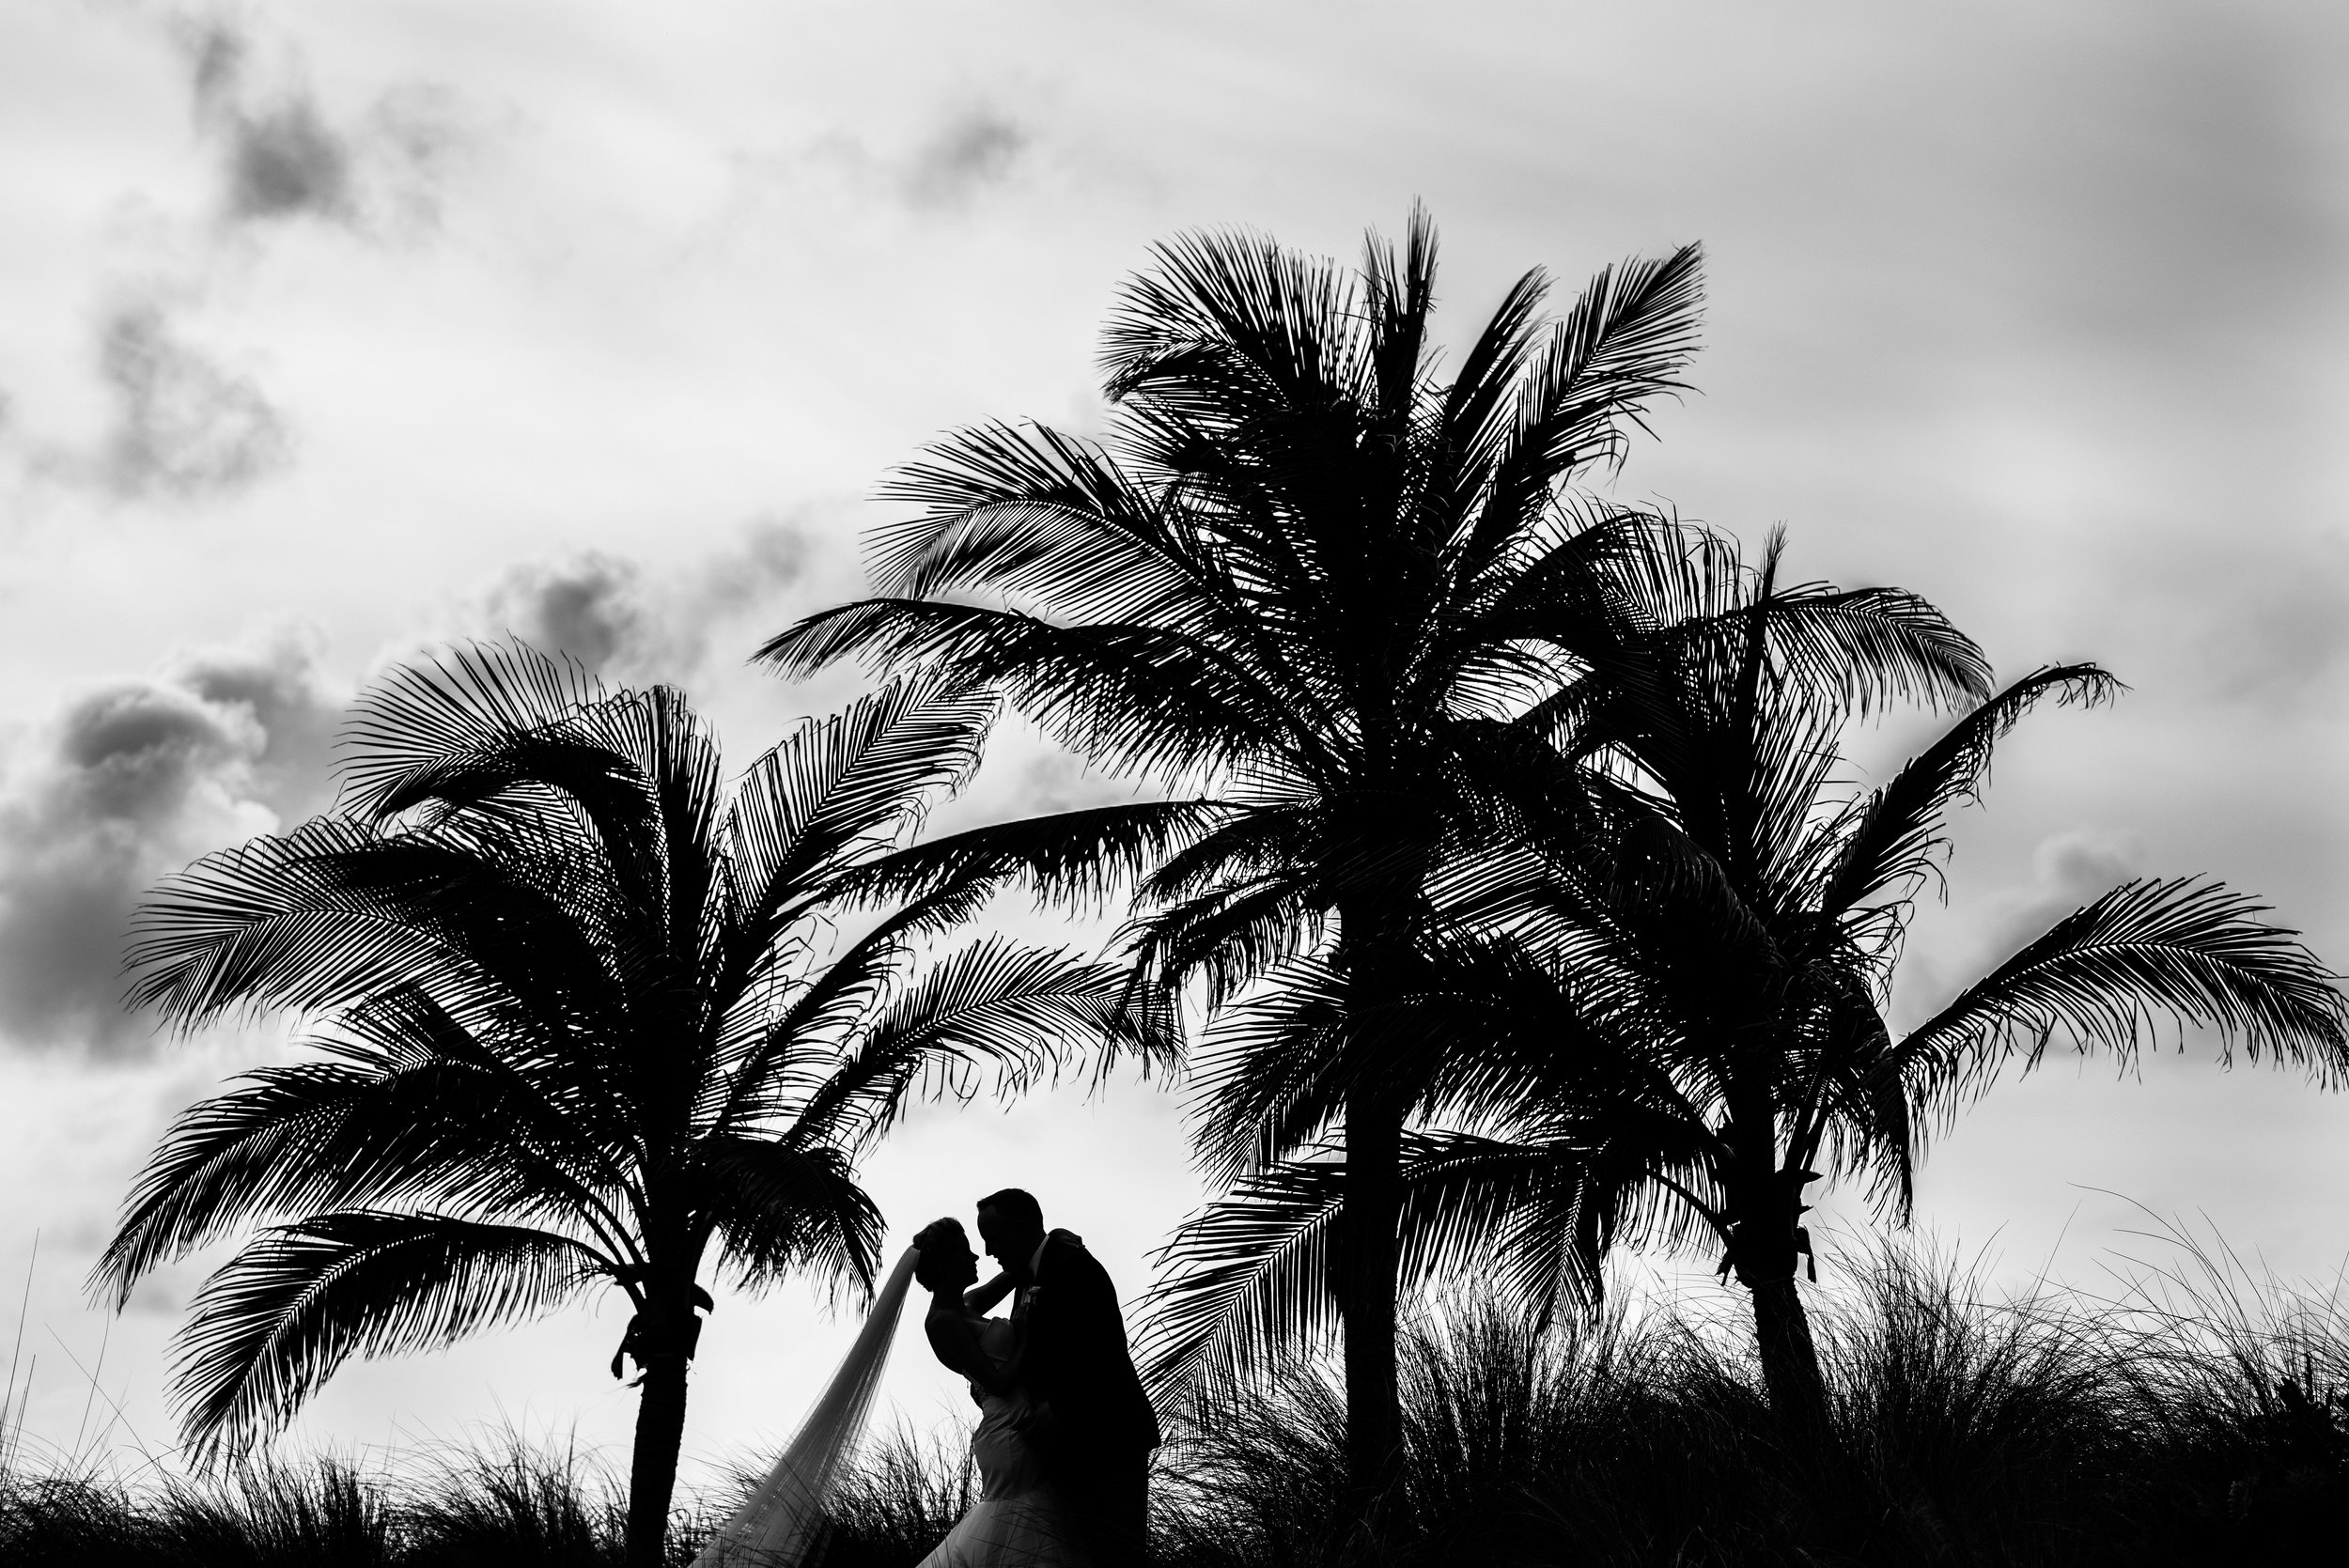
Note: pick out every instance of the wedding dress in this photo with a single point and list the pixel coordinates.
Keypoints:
(780, 1524)
(1019, 1521)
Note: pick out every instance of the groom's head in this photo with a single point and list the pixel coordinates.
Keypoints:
(1011, 1223)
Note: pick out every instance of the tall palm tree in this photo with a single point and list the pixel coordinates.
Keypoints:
(579, 1024)
(1306, 573)
(1666, 1029)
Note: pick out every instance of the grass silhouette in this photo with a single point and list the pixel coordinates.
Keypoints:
(2195, 1415)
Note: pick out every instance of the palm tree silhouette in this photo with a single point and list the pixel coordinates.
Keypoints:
(1298, 571)
(1306, 574)
(579, 1023)
(1664, 1028)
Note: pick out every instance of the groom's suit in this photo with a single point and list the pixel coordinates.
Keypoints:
(1102, 1428)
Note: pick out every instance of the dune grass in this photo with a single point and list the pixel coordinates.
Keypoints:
(2207, 1422)
(509, 1506)
(2196, 1417)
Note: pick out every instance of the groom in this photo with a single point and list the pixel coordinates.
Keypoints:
(1099, 1441)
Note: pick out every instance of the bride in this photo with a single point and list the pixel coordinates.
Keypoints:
(1021, 1520)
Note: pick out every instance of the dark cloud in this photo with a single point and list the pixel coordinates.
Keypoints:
(968, 152)
(279, 160)
(286, 161)
(283, 157)
(183, 425)
(277, 685)
(125, 785)
(770, 555)
(216, 53)
(976, 149)
(592, 607)
(613, 616)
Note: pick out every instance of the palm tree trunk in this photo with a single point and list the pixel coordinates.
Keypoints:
(1368, 1255)
(1790, 1359)
(652, 1475)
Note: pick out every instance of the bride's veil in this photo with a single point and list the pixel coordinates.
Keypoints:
(776, 1527)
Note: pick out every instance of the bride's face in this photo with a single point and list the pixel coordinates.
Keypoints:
(960, 1271)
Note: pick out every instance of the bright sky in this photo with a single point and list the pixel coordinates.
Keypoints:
(331, 329)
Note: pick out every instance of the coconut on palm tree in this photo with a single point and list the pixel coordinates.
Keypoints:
(1312, 575)
(578, 1023)
(1665, 1028)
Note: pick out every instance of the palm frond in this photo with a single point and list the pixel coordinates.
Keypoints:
(1888, 840)
(1271, 1070)
(2105, 976)
(334, 914)
(1063, 857)
(1018, 1012)
(1227, 936)
(1246, 1283)
(1230, 319)
(426, 716)
(1872, 647)
(1623, 344)
(784, 1207)
(850, 782)
(409, 1107)
(776, 1033)
(1137, 698)
(276, 1320)
(326, 1135)
(1036, 515)
(1246, 1279)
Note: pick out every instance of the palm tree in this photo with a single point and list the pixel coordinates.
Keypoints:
(1666, 1030)
(1308, 575)
(578, 1024)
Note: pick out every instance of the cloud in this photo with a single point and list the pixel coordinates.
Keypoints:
(975, 149)
(279, 685)
(283, 162)
(769, 554)
(1059, 781)
(278, 160)
(183, 425)
(616, 617)
(2239, 626)
(970, 151)
(283, 158)
(591, 606)
(127, 782)
(2068, 869)
(131, 780)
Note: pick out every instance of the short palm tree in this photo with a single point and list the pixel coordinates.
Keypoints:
(579, 1023)
(1665, 1028)
(1315, 578)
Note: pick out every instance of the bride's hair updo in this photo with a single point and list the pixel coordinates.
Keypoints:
(940, 1242)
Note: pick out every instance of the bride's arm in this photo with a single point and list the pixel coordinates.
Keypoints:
(956, 1343)
(982, 1298)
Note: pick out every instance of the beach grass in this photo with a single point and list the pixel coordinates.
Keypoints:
(2194, 1415)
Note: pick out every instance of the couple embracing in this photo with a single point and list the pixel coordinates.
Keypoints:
(1065, 1435)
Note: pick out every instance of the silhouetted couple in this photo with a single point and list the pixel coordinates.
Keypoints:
(1065, 1435)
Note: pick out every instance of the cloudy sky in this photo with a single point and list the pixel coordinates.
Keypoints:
(328, 331)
